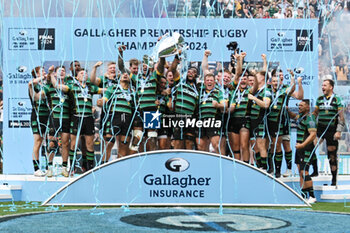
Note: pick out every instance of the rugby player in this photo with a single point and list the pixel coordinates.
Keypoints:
(164, 134)
(279, 94)
(239, 121)
(59, 103)
(183, 101)
(299, 94)
(82, 123)
(40, 114)
(207, 110)
(329, 111)
(223, 85)
(105, 81)
(259, 103)
(79, 167)
(306, 133)
(120, 100)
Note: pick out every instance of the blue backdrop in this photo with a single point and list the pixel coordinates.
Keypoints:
(93, 39)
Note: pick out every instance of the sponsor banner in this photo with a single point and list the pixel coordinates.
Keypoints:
(30, 42)
(176, 177)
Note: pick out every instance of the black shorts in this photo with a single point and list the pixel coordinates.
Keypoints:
(225, 126)
(286, 128)
(327, 134)
(121, 124)
(275, 129)
(181, 133)
(40, 125)
(207, 132)
(105, 123)
(164, 132)
(303, 157)
(82, 125)
(59, 126)
(237, 123)
(138, 120)
(257, 128)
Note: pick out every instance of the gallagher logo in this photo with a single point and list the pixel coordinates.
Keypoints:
(21, 69)
(177, 164)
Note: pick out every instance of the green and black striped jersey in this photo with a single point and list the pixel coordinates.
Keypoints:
(305, 124)
(120, 100)
(224, 93)
(40, 106)
(82, 98)
(58, 101)
(257, 112)
(106, 82)
(69, 80)
(185, 96)
(239, 97)
(328, 107)
(206, 108)
(278, 105)
(146, 88)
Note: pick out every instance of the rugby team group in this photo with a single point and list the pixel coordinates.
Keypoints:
(249, 110)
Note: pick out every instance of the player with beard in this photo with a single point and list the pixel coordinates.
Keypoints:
(207, 109)
(107, 80)
(40, 114)
(330, 123)
(119, 100)
(146, 100)
(164, 134)
(279, 94)
(259, 103)
(305, 149)
(183, 101)
(286, 122)
(59, 103)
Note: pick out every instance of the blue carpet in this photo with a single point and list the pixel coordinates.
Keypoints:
(179, 220)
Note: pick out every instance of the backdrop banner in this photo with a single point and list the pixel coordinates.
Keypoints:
(31, 42)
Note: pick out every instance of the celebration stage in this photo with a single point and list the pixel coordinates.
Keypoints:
(170, 178)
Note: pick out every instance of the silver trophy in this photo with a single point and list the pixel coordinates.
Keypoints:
(170, 45)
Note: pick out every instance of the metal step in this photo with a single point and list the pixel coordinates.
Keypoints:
(5, 197)
(10, 187)
(11, 192)
(331, 188)
(335, 196)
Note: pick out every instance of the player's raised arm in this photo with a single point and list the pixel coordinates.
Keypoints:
(205, 65)
(121, 65)
(93, 78)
